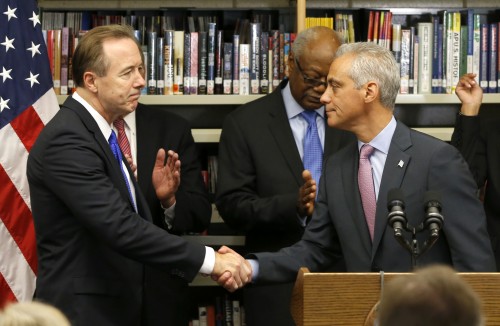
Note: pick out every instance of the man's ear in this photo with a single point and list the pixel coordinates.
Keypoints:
(371, 91)
(89, 81)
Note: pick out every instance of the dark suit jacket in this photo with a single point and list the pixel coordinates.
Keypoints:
(479, 142)
(92, 247)
(338, 227)
(166, 296)
(260, 172)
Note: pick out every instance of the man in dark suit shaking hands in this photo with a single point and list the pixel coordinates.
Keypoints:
(93, 228)
(363, 83)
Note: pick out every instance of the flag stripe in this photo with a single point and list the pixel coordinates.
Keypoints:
(17, 220)
(6, 292)
(27, 126)
(14, 268)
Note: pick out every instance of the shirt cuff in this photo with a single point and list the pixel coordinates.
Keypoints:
(209, 262)
(169, 214)
(255, 268)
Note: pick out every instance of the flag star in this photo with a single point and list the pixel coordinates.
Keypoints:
(35, 18)
(8, 43)
(33, 79)
(34, 49)
(5, 74)
(3, 104)
(10, 13)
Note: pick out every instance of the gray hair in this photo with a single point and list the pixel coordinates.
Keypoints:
(372, 62)
(312, 34)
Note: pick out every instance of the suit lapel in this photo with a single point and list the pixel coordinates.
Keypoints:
(392, 177)
(279, 127)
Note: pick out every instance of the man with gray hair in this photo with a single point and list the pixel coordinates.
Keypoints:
(349, 219)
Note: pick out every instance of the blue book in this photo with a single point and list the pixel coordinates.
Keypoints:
(493, 58)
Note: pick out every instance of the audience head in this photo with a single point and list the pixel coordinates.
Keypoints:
(310, 57)
(432, 296)
(32, 314)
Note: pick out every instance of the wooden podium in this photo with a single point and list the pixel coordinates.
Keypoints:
(351, 298)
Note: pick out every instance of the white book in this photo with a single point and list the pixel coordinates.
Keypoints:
(202, 316)
(244, 69)
(236, 313)
(425, 36)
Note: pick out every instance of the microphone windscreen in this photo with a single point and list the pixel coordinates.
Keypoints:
(395, 194)
(432, 196)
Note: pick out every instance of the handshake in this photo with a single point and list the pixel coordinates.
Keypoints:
(231, 270)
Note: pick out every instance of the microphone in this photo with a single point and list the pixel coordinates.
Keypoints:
(433, 218)
(397, 216)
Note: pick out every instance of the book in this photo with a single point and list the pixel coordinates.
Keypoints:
(455, 64)
(264, 63)
(65, 44)
(203, 62)
(483, 63)
(178, 87)
(187, 63)
(202, 314)
(275, 47)
(152, 63)
(160, 66)
(219, 54)
(493, 58)
(425, 35)
(405, 61)
(193, 77)
(212, 34)
(244, 69)
(236, 313)
(227, 75)
(168, 55)
(255, 33)
(236, 64)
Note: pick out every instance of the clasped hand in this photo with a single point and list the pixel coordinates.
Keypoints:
(231, 270)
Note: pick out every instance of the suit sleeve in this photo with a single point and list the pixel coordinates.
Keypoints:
(464, 218)
(468, 139)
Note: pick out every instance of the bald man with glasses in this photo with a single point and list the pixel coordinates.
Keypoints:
(264, 189)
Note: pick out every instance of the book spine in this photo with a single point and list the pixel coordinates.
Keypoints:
(212, 30)
(435, 54)
(236, 64)
(227, 74)
(168, 54)
(57, 61)
(264, 63)
(203, 58)
(64, 60)
(193, 79)
(160, 66)
(411, 80)
(219, 54)
(275, 35)
(244, 69)
(493, 58)
(178, 87)
(152, 63)
(187, 63)
(255, 33)
(476, 45)
(470, 39)
(483, 64)
(416, 66)
(425, 58)
(405, 61)
(455, 66)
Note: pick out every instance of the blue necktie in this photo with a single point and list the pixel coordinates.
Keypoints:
(313, 151)
(115, 148)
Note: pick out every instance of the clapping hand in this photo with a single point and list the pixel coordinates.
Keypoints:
(166, 176)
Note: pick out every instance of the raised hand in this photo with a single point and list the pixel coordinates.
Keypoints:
(231, 270)
(166, 176)
(470, 94)
(307, 195)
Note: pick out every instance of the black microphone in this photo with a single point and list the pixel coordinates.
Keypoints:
(397, 216)
(433, 218)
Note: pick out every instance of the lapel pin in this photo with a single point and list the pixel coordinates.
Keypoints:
(401, 163)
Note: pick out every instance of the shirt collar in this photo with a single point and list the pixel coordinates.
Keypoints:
(382, 141)
(292, 107)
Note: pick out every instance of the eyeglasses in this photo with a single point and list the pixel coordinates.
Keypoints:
(313, 82)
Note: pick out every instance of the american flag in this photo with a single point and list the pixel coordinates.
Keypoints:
(27, 103)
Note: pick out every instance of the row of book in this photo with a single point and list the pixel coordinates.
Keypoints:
(225, 311)
(433, 53)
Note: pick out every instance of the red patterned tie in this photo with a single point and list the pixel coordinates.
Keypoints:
(122, 137)
(366, 187)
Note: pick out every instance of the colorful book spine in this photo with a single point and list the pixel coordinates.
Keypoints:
(212, 34)
(219, 54)
(193, 77)
(483, 64)
(493, 58)
(227, 75)
(455, 66)
(65, 44)
(264, 63)
(160, 66)
(244, 69)
(203, 58)
(168, 52)
(187, 63)
(255, 33)
(405, 61)
(152, 63)
(178, 87)
(275, 35)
